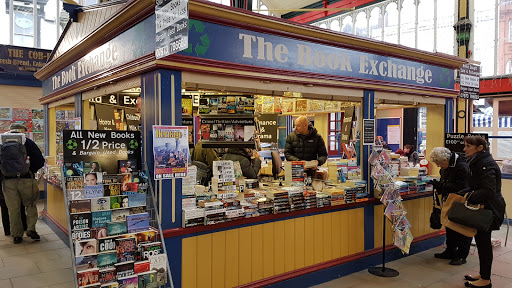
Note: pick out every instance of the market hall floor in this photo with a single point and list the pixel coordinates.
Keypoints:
(47, 264)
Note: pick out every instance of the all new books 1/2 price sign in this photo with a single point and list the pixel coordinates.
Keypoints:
(107, 148)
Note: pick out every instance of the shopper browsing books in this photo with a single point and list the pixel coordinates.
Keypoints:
(250, 167)
(305, 144)
(203, 159)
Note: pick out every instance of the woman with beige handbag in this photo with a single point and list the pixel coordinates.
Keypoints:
(485, 182)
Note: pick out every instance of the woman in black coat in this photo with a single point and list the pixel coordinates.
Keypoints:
(485, 184)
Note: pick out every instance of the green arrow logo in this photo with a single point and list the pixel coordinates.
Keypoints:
(202, 47)
(445, 78)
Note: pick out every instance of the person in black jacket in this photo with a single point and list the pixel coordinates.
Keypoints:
(485, 184)
(305, 144)
(454, 178)
(412, 155)
(23, 189)
(250, 167)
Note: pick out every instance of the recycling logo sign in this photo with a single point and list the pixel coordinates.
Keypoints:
(199, 48)
(171, 27)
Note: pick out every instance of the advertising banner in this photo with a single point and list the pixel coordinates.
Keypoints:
(170, 149)
(347, 124)
(268, 128)
(368, 131)
(108, 149)
(22, 60)
(455, 141)
(470, 82)
(171, 27)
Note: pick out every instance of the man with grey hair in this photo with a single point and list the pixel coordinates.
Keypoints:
(454, 178)
(18, 182)
(305, 144)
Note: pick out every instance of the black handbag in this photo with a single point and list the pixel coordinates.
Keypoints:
(474, 217)
(435, 216)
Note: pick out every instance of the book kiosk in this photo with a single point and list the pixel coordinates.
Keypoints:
(116, 237)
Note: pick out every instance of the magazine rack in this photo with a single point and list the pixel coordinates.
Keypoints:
(154, 221)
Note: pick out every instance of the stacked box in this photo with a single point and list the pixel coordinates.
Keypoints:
(192, 216)
(294, 173)
(309, 199)
(281, 200)
(322, 200)
(223, 180)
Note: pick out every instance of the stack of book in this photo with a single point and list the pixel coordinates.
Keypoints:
(223, 180)
(188, 187)
(296, 198)
(309, 199)
(337, 196)
(226, 104)
(214, 211)
(192, 216)
(281, 200)
(294, 173)
(322, 200)
(234, 211)
(265, 206)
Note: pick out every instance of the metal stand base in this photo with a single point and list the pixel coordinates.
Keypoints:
(383, 271)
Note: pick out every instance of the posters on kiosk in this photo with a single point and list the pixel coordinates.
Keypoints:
(170, 150)
(106, 148)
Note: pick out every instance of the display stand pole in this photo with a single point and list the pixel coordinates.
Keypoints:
(383, 271)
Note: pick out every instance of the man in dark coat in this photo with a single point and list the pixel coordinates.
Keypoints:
(250, 167)
(454, 178)
(305, 144)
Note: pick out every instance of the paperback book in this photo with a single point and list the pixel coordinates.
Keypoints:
(86, 262)
(86, 247)
(93, 191)
(81, 234)
(137, 222)
(101, 218)
(108, 275)
(88, 277)
(158, 263)
(125, 248)
(128, 282)
(141, 266)
(74, 182)
(138, 199)
(76, 194)
(73, 168)
(106, 244)
(120, 214)
(80, 206)
(112, 189)
(93, 178)
(100, 204)
(107, 260)
(151, 249)
(80, 221)
(148, 280)
(124, 269)
(116, 228)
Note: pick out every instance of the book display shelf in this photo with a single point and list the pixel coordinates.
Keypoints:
(115, 233)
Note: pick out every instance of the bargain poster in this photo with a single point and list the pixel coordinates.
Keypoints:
(170, 150)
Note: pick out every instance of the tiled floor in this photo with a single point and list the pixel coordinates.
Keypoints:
(47, 264)
(423, 270)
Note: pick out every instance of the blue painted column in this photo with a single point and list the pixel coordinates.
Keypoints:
(449, 115)
(368, 113)
(161, 105)
(78, 109)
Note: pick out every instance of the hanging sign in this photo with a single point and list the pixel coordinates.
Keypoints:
(348, 116)
(470, 81)
(455, 141)
(268, 128)
(171, 27)
(105, 117)
(106, 148)
(170, 151)
(368, 131)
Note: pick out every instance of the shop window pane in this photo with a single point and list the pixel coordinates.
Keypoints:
(376, 24)
(504, 145)
(426, 25)
(332, 126)
(347, 25)
(482, 112)
(335, 25)
(484, 31)
(48, 25)
(505, 114)
(422, 129)
(391, 23)
(323, 25)
(407, 23)
(4, 22)
(361, 24)
(445, 32)
(338, 126)
(23, 26)
(504, 44)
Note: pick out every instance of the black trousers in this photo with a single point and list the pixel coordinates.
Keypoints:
(5, 217)
(484, 246)
(457, 244)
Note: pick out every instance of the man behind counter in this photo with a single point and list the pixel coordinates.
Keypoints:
(305, 144)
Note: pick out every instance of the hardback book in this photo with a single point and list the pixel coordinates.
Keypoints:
(204, 107)
(118, 202)
(120, 214)
(80, 206)
(137, 210)
(148, 280)
(222, 105)
(158, 263)
(93, 179)
(86, 262)
(113, 178)
(141, 266)
(137, 222)
(110, 285)
(93, 191)
(88, 277)
(240, 105)
(128, 282)
(80, 221)
(101, 218)
(249, 133)
(74, 182)
(86, 247)
(229, 132)
(75, 194)
(116, 228)
(142, 178)
(150, 249)
(107, 244)
(249, 105)
(125, 248)
(91, 167)
(205, 131)
(112, 189)
(239, 133)
(74, 168)
(81, 234)
(138, 199)
(127, 166)
(214, 102)
(100, 204)
(129, 187)
(108, 275)
(124, 269)
(107, 260)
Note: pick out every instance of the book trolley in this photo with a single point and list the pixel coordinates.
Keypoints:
(114, 229)
(394, 210)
